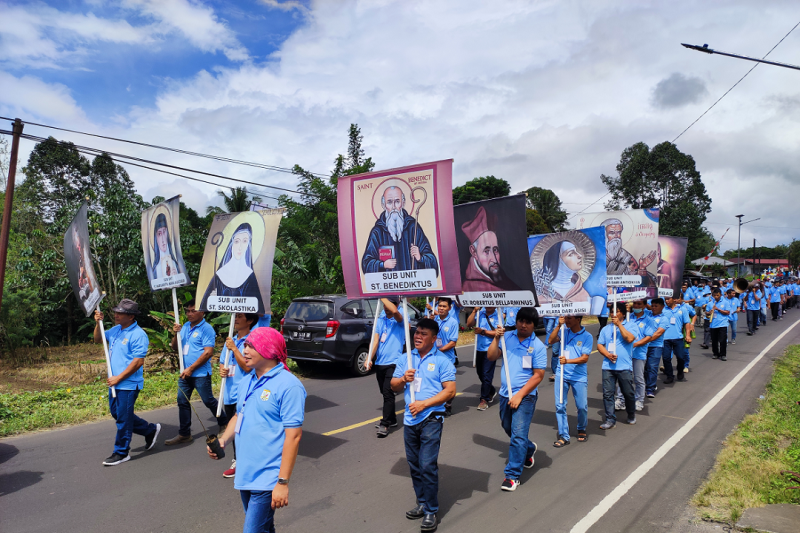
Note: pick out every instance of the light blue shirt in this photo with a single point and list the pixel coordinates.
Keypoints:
(676, 319)
(623, 349)
(432, 371)
(689, 309)
(232, 382)
(448, 332)
(482, 322)
(266, 407)
(659, 322)
(641, 326)
(735, 304)
(263, 322)
(523, 358)
(775, 295)
(576, 345)
(391, 339)
(752, 304)
(125, 345)
(719, 320)
(701, 297)
(195, 339)
(510, 316)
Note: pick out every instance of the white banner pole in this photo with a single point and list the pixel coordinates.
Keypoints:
(177, 321)
(475, 349)
(227, 360)
(614, 330)
(561, 367)
(501, 318)
(108, 357)
(374, 327)
(408, 345)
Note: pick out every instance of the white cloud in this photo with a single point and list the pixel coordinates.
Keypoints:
(30, 98)
(285, 5)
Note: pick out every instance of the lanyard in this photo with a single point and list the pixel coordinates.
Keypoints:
(254, 388)
(191, 329)
(527, 346)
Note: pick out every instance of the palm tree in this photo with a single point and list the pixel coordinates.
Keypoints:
(238, 200)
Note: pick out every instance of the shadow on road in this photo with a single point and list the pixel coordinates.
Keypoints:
(316, 403)
(18, 480)
(315, 445)
(7, 451)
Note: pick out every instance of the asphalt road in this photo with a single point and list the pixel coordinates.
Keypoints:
(350, 481)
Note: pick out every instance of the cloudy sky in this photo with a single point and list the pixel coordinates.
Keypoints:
(543, 93)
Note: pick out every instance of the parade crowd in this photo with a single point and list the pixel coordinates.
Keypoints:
(263, 403)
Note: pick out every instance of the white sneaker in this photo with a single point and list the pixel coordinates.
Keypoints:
(619, 406)
(639, 406)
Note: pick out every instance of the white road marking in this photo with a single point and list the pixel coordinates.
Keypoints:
(615, 495)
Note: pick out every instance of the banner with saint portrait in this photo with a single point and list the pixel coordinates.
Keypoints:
(631, 251)
(493, 253)
(236, 272)
(396, 231)
(569, 271)
(671, 258)
(161, 241)
(78, 257)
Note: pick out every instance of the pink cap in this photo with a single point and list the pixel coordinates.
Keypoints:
(269, 343)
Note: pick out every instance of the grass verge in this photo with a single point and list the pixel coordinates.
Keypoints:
(747, 472)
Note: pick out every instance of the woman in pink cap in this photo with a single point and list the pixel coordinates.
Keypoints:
(268, 425)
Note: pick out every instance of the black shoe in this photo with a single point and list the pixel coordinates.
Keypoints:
(750, 334)
(383, 431)
(723, 358)
(116, 459)
(682, 379)
(715, 356)
(668, 381)
(416, 513)
(150, 440)
(429, 523)
(704, 346)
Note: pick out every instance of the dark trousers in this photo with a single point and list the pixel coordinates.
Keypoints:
(623, 378)
(651, 369)
(752, 320)
(202, 384)
(773, 306)
(603, 320)
(128, 423)
(383, 373)
(485, 370)
(719, 341)
(673, 346)
(706, 331)
(230, 410)
(422, 453)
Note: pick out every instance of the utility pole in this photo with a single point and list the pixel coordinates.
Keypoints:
(739, 245)
(6, 227)
(754, 258)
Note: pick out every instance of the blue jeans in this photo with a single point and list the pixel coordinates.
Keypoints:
(686, 356)
(651, 369)
(422, 453)
(259, 516)
(128, 423)
(734, 324)
(623, 378)
(579, 389)
(517, 423)
(202, 384)
(673, 346)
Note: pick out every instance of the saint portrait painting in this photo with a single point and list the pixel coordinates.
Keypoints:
(236, 273)
(79, 262)
(162, 247)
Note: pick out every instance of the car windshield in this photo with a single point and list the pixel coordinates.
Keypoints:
(309, 311)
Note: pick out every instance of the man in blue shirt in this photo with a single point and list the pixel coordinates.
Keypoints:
(617, 367)
(447, 338)
(678, 331)
(484, 320)
(752, 303)
(776, 300)
(654, 350)
(268, 425)
(700, 302)
(388, 340)
(718, 311)
(433, 378)
(127, 349)
(643, 328)
(197, 338)
(735, 307)
(526, 357)
(577, 347)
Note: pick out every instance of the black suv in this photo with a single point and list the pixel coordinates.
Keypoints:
(333, 329)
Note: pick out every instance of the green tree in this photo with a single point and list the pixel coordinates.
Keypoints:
(535, 224)
(482, 188)
(548, 205)
(667, 179)
(237, 201)
(793, 254)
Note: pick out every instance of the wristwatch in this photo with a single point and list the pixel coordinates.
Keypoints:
(283, 481)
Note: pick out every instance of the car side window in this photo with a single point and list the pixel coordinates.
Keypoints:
(354, 309)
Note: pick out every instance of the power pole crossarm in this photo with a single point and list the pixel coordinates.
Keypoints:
(5, 229)
(708, 50)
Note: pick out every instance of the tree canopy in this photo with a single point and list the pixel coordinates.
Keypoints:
(482, 188)
(548, 205)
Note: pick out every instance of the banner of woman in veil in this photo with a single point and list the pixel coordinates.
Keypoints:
(236, 272)
(161, 241)
(78, 258)
(569, 271)
(671, 258)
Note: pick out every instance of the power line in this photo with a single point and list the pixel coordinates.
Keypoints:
(734, 85)
(588, 206)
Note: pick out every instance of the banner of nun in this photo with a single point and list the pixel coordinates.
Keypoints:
(162, 246)
(396, 231)
(631, 251)
(78, 256)
(493, 253)
(671, 258)
(569, 271)
(236, 272)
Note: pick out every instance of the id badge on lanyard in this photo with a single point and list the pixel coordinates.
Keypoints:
(240, 414)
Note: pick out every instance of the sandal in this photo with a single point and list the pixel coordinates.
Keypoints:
(560, 443)
(582, 436)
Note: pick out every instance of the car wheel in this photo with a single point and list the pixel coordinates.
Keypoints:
(357, 368)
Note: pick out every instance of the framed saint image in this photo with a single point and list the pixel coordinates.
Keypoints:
(161, 242)
(631, 247)
(493, 253)
(396, 231)
(671, 258)
(236, 272)
(569, 271)
(78, 258)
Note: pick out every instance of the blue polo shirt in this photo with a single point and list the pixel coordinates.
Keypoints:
(751, 304)
(510, 316)
(659, 322)
(431, 372)
(482, 322)
(623, 349)
(689, 293)
(575, 345)
(734, 304)
(641, 326)
(700, 297)
(269, 405)
(775, 295)
(195, 339)
(263, 322)
(448, 332)
(231, 395)
(523, 358)
(676, 319)
(125, 345)
(391, 339)
(720, 320)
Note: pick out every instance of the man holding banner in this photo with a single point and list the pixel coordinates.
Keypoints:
(484, 320)
(388, 339)
(128, 348)
(577, 347)
(615, 344)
